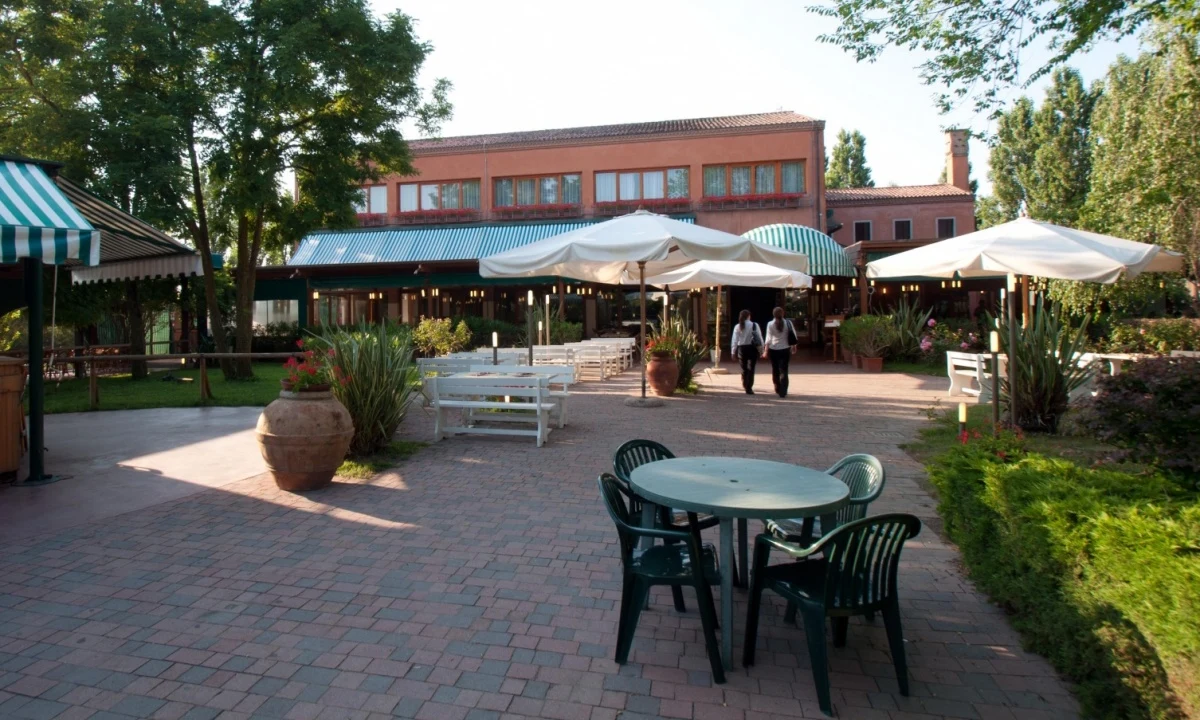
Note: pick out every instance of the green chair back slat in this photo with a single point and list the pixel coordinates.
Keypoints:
(865, 477)
(862, 558)
(635, 453)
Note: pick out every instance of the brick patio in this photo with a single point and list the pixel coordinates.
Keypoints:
(480, 580)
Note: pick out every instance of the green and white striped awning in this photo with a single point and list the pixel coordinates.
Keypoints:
(825, 256)
(37, 220)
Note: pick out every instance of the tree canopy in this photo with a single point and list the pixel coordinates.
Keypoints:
(977, 48)
(848, 163)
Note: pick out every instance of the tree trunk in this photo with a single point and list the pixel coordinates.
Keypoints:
(248, 249)
(137, 330)
(199, 231)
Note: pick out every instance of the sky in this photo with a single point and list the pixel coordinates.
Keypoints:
(536, 64)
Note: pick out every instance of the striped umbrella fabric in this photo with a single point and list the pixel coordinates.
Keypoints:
(825, 256)
(37, 220)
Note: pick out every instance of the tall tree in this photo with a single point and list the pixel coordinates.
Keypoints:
(977, 48)
(1041, 158)
(1146, 144)
(847, 167)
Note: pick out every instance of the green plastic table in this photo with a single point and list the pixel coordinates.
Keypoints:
(738, 488)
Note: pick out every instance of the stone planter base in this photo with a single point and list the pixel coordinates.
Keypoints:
(662, 374)
(872, 364)
(304, 437)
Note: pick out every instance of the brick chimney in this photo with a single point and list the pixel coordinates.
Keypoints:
(957, 172)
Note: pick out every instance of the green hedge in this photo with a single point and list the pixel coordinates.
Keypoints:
(1099, 569)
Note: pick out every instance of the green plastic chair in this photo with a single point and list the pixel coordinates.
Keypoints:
(863, 474)
(632, 455)
(855, 576)
(681, 560)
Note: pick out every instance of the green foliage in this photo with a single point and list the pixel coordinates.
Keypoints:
(909, 326)
(561, 331)
(367, 467)
(1154, 336)
(951, 335)
(434, 337)
(509, 335)
(688, 351)
(848, 165)
(1046, 367)
(868, 335)
(276, 337)
(1146, 295)
(989, 211)
(977, 49)
(1152, 411)
(1099, 570)
(13, 329)
(375, 378)
(1146, 131)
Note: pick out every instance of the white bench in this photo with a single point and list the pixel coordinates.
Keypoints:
(969, 374)
(593, 359)
(1185, 353)
(520, 400)
(561, 377)
(623, 346)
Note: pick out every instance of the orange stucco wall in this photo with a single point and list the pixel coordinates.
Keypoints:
(693, 153)
(924, 216)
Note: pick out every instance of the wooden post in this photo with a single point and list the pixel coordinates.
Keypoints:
(93, 385)
(205, 392)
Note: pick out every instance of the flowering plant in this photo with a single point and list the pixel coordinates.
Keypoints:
(310, 373)
(661, 344)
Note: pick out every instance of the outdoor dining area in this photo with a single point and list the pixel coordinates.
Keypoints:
(838, 561)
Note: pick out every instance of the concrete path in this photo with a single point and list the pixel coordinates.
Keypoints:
(115, 462)
(480, 579)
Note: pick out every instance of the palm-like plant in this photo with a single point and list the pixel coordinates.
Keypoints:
(685, 346)
(910, 323)
(1047, 367)
(375, 378)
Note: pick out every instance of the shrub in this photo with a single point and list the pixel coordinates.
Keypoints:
(1046, 368)
(435, 337)
(1097, 569)
(375, 378)
(909, 324)
(481, 329)
(1152, 412)
(276, 337)
(869, 335)
(950, 335)
(1154, 336)
(561, 331)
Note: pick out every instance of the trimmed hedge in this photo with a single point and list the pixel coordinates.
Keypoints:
(1099, 569)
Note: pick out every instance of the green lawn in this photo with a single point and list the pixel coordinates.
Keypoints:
(120, 392)
(367, 467)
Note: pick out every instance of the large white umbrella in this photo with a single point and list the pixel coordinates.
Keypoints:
(633, 246)
(1030, 247)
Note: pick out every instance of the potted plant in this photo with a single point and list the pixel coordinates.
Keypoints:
(305, 433)
(873, 343)
(662, 370)
(849, 333)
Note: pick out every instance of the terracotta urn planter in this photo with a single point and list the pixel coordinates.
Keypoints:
(304, 437)
(662, 373)
(872, 364)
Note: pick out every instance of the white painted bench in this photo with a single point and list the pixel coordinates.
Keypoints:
(1185, 353)
(561, 378)
(623, 346)
(596, 358)
(511, 399)
(969, 374)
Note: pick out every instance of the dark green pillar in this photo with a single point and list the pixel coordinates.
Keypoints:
(33, 300)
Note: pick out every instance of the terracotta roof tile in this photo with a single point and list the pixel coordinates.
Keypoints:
(859, 196)
(597, 132)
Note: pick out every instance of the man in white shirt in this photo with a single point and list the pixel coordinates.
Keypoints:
(745, 347)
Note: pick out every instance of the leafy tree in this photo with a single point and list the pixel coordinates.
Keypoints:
(989, 212)
(1146, 143)
(976, 48)
(1041, 158)
(848, 168)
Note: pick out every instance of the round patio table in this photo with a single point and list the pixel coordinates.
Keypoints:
(741, 488)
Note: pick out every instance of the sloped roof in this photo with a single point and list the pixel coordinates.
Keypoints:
(602, 132)
(124, 237)
(893, 195)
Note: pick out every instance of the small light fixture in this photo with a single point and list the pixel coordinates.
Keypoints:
(853, 282)
(995, 342)
(422, 292)
(316, 295)
(962, 418)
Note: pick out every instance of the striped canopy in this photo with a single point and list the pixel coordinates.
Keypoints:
(825, 256)
(37, 221)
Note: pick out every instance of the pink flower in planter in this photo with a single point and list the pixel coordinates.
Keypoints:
(926, 344)
(932, 322)
(965, 346)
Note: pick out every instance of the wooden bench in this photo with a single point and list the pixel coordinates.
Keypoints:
(594, 358)
(494, 398)
(1185, 353)
(561, 378)
(965, 368)
(624, 348)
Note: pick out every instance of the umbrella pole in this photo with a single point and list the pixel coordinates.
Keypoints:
(1012, 355)
(33, 299)
(642, 281)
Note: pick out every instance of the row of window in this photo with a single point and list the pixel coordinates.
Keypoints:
(902, 229)
(566, 189)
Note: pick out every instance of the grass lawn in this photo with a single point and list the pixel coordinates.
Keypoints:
(914, 368)
(120, 392)
(367, 467)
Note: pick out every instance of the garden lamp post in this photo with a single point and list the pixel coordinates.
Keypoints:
(995, 348)
(529, 307)
(495, 348)
(1012, 351)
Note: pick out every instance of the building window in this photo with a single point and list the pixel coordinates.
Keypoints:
(945, 228)
(372, 200)
(758, 179)
(455, 195)
(655, 184)
(902, 229)
(862, 230)
(542, 190)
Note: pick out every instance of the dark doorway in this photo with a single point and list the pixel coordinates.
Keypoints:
(759, 301)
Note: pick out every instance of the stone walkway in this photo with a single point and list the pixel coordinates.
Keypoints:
(480, 580)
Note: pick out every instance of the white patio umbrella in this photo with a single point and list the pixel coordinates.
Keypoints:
(631, 246)
(1029, 247)
(707, 273)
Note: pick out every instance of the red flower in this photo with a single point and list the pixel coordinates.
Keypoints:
(300, 343)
